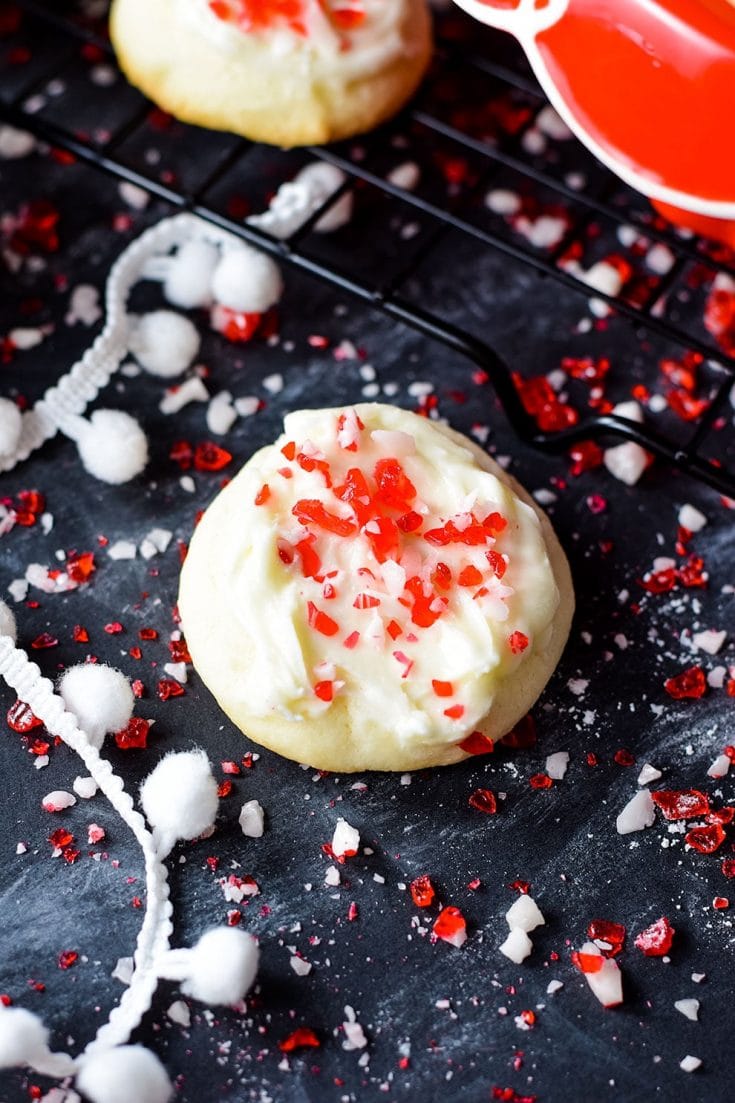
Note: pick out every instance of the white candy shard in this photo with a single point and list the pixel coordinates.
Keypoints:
(688, 1008)
(252, 819)
(188, 282)
(180, 395)
(710, 640)
(691, 518)
(15, 143)
(648, 774)
(100, 698)
(346, 839)
(517, 946)
(222, 966)
(247, 280)
(221, 414)
(112, 446)
(164, 343)
(11, 423)
(719, 767)
(524, 914)
(607, 982)
(300, 967)
(179, 797)
(690, 1064)
(638, 813)
(179, 1013)
(626, 462)
(556, 764)
(58, 801)
(122, 1074)
(123, 970)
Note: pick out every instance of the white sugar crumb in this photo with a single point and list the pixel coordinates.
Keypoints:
(719, 767)
(556, 764)
(524, 914)
(551, 123)
(346, 839)
(353, 1032)
(18, 589)
(122, 549)
(517, 946)
(176, 398)
(698, 977)
(690, 1064)
(709, 641)
(300, 967)
(273, 384)
(247, 405)
(177, 671)
(648, 774)
(252, 819)
(123, 970)
(15, 143)
(58, 801)
(85, 787)
(638, 813)
(179, 1013)
(84, 306)
(221, 414)
(155, 542)
(691, 518)
(577, 686)
(716, 677)
(554, 986)
(405, 176)
(135, 197)
(332, 876)
(626, 462)
(688, 1008)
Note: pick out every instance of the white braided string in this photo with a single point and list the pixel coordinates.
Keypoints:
(74, 391)
(26, 680)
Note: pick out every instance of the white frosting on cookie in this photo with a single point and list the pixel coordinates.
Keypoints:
(434, 587)
(359, 51)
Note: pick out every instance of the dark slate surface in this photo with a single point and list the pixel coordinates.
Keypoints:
(451, 1012)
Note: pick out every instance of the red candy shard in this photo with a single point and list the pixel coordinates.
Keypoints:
(263, 495)
(518, 642)
(300, 1038)
(321, 622)
(454, 712)
(604, 930)
(484, 800)
(208, 456)
(540, 781)
(79, 567)
(477, 743)
(395, 489)
(450, 925)
(442, 689)
(706, 839)
(587, 963)
(21, 719)
(690, 683)
(728, 867)
(656, 940)
(681, 804)
(422, 891)
(523, 735)
(510, 1095)
(67, 958)
(324, 690)
(134, 735)
(167, 687)
(236, 325)
(310, 511)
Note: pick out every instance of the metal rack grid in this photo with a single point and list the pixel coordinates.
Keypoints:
(103, 155)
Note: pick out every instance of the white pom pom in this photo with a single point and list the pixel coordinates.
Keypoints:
(222, 966)
(124, 1074)
(189, 278)
(23, 1037)
(247, 280)
(7, 622)
(11, 421)
(164, 343)
(100, 698)
(180, 796)
(112, 446)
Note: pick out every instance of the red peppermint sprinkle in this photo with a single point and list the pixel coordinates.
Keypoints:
(423, 891)
(656, 940)
(604, 930)
(477, 743)
(540, 781)
(208, 456)
(67, 958)
(720, 903)
(728, 867)
(450, 925)
(21, 719)
(690, 683)
(134, 736)
(442, 689)
(321, 622)
(518, 642)
(44, 641)
(168, 687)
(484, 801)
(301, 1038)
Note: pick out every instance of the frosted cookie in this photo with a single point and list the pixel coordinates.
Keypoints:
(372, 591)
(289, 72)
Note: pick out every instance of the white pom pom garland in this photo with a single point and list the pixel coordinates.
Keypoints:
(11, 422)
(247, 280)
(164, 343)
(188, 283)
(112, 446)
(100, 698)
(179, 797)
(220, 969)
(123, 1075)
(7, 622)
(23, 1037)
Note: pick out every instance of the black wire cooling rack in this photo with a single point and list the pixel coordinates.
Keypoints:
(48, 37)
